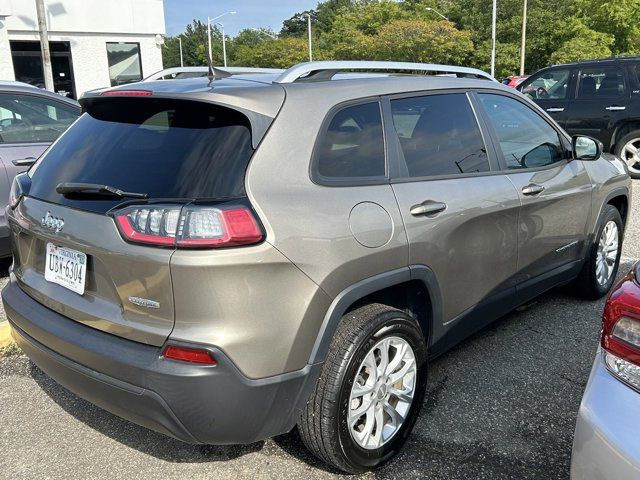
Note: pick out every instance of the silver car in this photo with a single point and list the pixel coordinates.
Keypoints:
(606, 444)
(221, 259)
(30, 120)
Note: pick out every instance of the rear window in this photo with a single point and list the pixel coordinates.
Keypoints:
(166, 149)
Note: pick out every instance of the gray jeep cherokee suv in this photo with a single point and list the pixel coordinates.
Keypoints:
(221, 259)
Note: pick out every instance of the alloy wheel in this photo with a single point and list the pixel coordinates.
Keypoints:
(382, 392)
(631, 155)
(607, 252)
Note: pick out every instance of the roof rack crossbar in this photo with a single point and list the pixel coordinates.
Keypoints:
(325, 70)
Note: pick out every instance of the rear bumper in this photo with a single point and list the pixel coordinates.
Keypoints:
(606, 443)
(193, 403)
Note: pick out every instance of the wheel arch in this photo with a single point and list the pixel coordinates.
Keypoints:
(620, 130)
(413, 289)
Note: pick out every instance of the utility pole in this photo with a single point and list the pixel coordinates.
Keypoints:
(309, 35)
(493, 39)
(224, 45)
(180, 43)
(44, 46)
(524, 37)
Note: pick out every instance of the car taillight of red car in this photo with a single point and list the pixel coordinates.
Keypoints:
(620, 338)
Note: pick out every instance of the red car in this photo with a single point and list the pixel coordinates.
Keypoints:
(514, 80)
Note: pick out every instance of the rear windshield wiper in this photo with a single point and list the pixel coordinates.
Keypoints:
(95, 189)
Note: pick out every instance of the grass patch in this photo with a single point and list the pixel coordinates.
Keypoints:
(10, 350)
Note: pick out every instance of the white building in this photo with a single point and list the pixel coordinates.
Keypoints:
(94, 43)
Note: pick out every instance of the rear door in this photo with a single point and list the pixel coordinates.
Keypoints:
(552, 89)
(601, 102)
(555, 192)
(460, 212)
(174, 151)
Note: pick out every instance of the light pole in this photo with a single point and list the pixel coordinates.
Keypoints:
(209, 20)
(44, 46)
(524, 37)
(224, 45)
(493, 38)
(180, 43)
(436, 12)
(266, 32)
(309, 35)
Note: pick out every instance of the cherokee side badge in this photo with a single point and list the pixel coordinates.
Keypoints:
(144, 302)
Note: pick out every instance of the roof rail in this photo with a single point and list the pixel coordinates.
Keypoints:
(325, 70)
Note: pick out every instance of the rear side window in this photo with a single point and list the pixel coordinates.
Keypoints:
(353, 145)
(165, 148)
(600, 82)
(526, 140)
(439, 135)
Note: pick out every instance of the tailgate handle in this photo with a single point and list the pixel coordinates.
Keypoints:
(24, 162)
(428, 208)
(532, 189)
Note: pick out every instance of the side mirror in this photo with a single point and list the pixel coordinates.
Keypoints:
(585, 148)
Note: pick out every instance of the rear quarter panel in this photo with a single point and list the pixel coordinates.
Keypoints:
(610, 179)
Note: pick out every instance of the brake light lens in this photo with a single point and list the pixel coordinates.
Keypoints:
(191, 355)
(621, 331)
(126, 93)
(189, 226)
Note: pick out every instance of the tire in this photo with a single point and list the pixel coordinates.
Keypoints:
(621, 150)
(324, 426)
(587, 283)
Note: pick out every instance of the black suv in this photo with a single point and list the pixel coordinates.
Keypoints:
(599, 98)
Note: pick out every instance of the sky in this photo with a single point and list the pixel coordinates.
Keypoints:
(250, 13)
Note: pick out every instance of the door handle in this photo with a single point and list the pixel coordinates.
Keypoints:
(428, 208)
(532, 189)
(555, 109)
(24, 162)
(615, 108)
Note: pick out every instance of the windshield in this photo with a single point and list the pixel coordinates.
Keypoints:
(162, 148)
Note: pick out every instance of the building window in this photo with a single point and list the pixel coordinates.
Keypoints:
(124, 63)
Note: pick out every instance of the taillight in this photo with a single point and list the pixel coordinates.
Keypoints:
(191, 355)
(193, 226)
(19, 186)
(621, 331)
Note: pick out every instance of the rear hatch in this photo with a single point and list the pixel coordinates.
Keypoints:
(173, 151)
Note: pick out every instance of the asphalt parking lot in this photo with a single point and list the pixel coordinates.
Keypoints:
(502, 405)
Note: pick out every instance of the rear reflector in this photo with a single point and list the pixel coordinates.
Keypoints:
(191, 226)
(191, 355)
(126, 93)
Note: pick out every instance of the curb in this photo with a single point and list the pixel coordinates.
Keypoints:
(5, 334)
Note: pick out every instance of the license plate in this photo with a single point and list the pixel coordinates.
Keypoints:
(66, 267)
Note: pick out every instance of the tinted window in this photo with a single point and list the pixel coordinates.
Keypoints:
(124, 63)
(553, 84)
(353, 145)
(439, 135)
(31, 118)
(600, 82)
(526, 140)
(166, 149)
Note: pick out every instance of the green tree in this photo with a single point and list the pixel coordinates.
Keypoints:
(507, 58)
(194, 46)
(423, 41)
(297, 25)
(617, 18)
(275, 53)
(587, 44)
